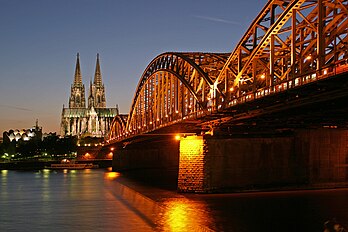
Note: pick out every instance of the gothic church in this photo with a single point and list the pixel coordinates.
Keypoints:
(93, 120)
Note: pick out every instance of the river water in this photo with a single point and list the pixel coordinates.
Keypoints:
(100, 200)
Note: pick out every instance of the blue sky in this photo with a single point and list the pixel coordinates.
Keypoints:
(39, 40)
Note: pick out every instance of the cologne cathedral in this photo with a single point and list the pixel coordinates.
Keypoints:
(93, 119)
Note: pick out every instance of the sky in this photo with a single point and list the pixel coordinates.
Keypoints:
(39, 40)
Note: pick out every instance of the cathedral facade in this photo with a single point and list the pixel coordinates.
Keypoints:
(87, 118)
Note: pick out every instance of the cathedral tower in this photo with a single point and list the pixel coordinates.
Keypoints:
(77, 95)
(96, 97)
(94, 120)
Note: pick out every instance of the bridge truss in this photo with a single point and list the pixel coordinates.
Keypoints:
(289, 44)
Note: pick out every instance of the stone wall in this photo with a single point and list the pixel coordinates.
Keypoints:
(193, 175)
(306, 159)
(151, 159)
(327, 156)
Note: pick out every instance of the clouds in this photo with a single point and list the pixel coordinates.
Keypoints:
(15, 108)
(218, 20)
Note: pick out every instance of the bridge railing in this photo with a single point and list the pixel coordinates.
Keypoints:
(330, 71)
(327, 72)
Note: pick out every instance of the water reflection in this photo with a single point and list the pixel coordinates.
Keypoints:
(95, 200)
(46, 185)
(111, 175)
(186, 215)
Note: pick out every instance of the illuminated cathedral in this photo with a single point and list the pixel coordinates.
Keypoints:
(93, 119)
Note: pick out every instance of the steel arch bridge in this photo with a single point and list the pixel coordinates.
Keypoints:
(290, 43)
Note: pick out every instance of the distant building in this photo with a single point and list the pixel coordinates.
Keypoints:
(94, 119)
(24, 134)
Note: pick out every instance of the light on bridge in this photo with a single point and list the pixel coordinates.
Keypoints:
(177, 137)
(309, 57)
(112, 149)
(110, 155)
(263, 76)
(231, 89)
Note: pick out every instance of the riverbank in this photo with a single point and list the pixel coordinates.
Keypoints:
(37, 165)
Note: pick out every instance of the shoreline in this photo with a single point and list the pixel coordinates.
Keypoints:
(37, 165)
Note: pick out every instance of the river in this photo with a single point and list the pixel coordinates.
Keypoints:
(100, 200)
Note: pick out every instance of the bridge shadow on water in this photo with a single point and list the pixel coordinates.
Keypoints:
(153, 196)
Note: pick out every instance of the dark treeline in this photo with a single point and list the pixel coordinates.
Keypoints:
(50, 147)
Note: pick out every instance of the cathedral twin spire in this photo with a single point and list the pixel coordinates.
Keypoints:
(96, 96)
(78, 76)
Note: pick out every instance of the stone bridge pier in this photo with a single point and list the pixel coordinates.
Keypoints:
(307, 158)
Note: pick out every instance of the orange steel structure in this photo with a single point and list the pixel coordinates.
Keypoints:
(289, 44)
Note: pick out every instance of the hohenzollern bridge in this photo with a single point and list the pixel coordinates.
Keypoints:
(262, 115)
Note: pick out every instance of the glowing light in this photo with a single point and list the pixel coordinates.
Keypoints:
(263, 76)
(193, 146)
(185, 215)
(4, 172)
(110, 155)
(111, 175)
(309, 57)
(157, 119)
(177, 111)
(325, 71)
(150, 123)
(177, 218)
(231, 89)
(112, 149)
(177, 137)
(166, 115)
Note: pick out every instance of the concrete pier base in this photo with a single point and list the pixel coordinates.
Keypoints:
(305, 159)
(308, 158)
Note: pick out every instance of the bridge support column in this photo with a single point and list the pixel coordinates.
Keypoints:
(193, 175)
(308, 158)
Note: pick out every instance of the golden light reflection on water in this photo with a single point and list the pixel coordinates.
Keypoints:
(4, 172)
(111, 175)
(182, 214)
(4, 176)
(46, 184)
(46, 173)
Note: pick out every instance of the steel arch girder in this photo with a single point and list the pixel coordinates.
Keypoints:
(117, 122)
(163, 62)
(265, 40)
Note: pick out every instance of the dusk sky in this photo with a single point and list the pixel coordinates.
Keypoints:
(40, 38)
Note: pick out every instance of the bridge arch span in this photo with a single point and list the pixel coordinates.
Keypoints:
(118, 126)
(287, 40)
(173, 87)
(289, 44)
